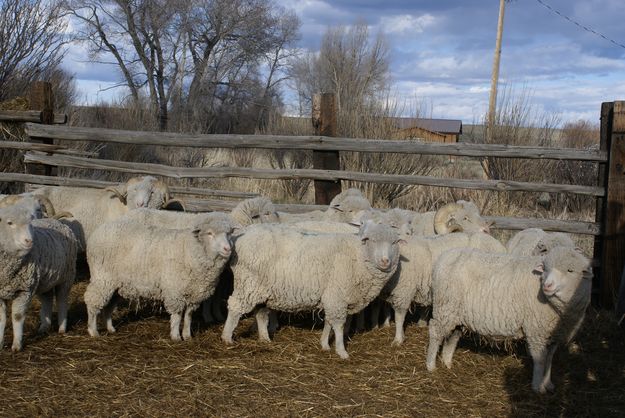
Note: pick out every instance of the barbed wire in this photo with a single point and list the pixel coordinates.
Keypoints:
(576, 23)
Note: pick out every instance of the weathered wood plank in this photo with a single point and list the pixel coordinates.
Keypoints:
(315, 143)
(572, 227)
(613, 252)
(54, 149)
(331, 175)
(20, 116)
(100, 184)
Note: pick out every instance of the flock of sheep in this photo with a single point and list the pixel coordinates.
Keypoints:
(339, 261)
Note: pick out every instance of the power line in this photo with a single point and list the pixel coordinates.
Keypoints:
(576, 23)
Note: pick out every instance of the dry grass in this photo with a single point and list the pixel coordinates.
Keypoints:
(139, 372)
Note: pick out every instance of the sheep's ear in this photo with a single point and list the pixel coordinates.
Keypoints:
(579, 250)
(402, 241)
(364, 239)
(539, 268)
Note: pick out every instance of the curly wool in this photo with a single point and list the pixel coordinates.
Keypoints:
(139, 262)
(50, 264)
(300, 271)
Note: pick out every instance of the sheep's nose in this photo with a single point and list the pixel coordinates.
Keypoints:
(384, 261)
(28, 242)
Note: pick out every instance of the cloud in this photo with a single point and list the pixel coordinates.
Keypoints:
(406, 24)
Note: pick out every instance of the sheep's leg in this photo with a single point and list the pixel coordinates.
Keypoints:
(236, 308)
(174, 326)
(3, 321)
(325, 336)
(348, 322)
(108, 310)
(548, 385)
(360, 321)
(262, 323)
(539, 355)
(449, 347)
(207, 314)
(438, 332)
(216, 305)
(339, 340)
(400, 317)
(186, 328)
(62, 296)
(45, 313)
(386, 312)
(274, 324)
(96, 299)
(424, 314)
(18, 315)
(375, 313)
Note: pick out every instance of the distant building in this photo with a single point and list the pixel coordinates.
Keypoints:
(431, 130)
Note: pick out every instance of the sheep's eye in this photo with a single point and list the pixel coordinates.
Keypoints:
(570, 270)
(9, 223)
(255, 216)
(466, 218)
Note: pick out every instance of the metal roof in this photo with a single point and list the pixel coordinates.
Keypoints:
(443, 126)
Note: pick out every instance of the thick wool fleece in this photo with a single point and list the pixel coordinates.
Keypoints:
(535, 241)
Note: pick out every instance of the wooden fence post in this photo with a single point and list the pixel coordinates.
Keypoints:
(607, 112)
(42, 99)
(613, 248)
(324, 121)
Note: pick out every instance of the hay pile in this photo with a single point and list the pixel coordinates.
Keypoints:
(139, 371)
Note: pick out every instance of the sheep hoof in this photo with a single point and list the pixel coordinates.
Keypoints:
(111, 329)
(93, 332)
(325, 347)
(343, 355)
(16, 347)
(187, 337)
(176, 337)
(227, 341)
(397, 342)
(62, 331)
(430, 367)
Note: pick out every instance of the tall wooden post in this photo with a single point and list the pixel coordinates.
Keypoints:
(613, 248)
(42, 99)
(607, 113)
(324, 121)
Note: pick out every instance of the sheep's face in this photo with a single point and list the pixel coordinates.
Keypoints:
(215, 237)
(146, 192)
(16, 230)
(566, 274)
(469, 219)
(381, 245)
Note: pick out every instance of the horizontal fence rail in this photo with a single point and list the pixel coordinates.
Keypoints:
(288, 174)
(315, 143)
(29, 116)
(49, 148)
(99, 184)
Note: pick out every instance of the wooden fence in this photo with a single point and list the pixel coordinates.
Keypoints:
(608, 228)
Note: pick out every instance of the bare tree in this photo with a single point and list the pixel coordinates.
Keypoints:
(31, 42)
(277, 59)
(143, 37)
(350, 64)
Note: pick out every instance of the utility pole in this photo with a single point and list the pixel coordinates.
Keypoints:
(492, 104)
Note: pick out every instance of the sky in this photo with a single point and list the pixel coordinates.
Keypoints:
(442, 53)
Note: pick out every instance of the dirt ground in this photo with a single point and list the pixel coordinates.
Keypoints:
(139, 372)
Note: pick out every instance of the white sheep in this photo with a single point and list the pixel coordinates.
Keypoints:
(540, 299)
(38, 257)
(412, 282)
(179, 267)
(93, 207)
(291, 271)
(535, 241)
